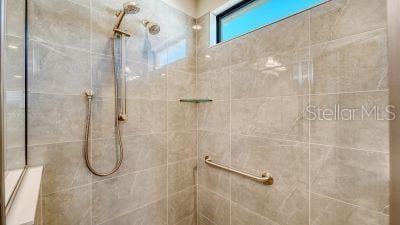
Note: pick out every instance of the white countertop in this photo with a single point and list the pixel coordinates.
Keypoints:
(23, 210)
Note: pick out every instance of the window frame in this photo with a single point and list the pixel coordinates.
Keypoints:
(227, 13)
(231, 7)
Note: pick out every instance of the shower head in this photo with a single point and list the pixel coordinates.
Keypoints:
(128, 8)
(131, 8)
(153, 28)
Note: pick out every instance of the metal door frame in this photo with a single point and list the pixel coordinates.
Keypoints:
(2, 147)
(393, 9)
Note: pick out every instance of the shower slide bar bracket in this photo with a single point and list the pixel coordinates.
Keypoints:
(121, 32)
(265, 178)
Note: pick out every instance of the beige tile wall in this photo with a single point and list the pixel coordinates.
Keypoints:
(326, 172)
(70, 50)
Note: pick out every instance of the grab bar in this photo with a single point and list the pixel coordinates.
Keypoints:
(265, 178)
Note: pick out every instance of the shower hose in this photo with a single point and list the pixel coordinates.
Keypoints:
(87, 148)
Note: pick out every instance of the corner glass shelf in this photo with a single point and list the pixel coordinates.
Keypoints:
(196, 100)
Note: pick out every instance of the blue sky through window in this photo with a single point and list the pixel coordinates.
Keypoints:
(260, 13)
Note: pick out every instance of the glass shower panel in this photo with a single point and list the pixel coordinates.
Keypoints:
(14, 93)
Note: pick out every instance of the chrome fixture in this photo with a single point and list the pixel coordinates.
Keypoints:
(265, 178)
(120, 69)
(89, 95)
(128, 8)
(153, 28)
(119, 87)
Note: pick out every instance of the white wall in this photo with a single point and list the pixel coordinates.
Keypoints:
(205, 6)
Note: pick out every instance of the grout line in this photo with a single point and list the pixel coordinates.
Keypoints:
(213, 192)
(261, 215)
(256, 214)
(96, 54)
(181, 191)
(103, 98)
(109, 138)
(79, 4)
(209, 220)
(309, 94)
(254, 136)
(167, 129)
(91, 87)
(340, 148)
(310, 76)
(44, 42)
(305, 47)
(230, 135)
(128, 174)
(108, 98)
(347, 203)
(296, 142)
(41, 222)
(234, 202)
(182, 161)
(349, 92)
(55, 94)
(68, 189)
(131, 211)
(47, 44)
(101, 139)
(95, 181)
(191, 215)
(13, 36)
(350, 36)
(197, 127)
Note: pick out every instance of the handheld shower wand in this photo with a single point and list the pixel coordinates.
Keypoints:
(119, 75)
(120, 89)
(128, 8)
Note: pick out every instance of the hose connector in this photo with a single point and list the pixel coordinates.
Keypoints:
(89, 94)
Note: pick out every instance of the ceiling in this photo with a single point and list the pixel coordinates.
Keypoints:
(196, 8)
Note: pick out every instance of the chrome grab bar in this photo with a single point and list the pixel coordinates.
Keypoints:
(265, 178)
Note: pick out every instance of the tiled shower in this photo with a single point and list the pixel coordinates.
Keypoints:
(71, 51)
(262, 84)
(327, 172)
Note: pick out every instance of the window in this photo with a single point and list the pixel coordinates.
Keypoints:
(249, 15)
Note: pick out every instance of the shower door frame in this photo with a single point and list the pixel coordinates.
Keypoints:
(5, 206)
(2, 144)
(393, 9)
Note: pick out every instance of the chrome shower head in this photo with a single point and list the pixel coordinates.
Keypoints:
(131, 8)
(128, 8)
(153, 28)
